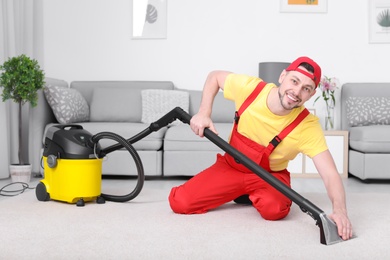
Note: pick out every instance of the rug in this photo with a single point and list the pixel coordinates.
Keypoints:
(146, 228)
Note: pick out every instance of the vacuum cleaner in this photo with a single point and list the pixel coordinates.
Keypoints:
(73, 161)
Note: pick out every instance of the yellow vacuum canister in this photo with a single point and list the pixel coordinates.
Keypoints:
(72, 180)
(72, 171)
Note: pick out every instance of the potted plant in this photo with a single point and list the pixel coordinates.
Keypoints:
(20, 79)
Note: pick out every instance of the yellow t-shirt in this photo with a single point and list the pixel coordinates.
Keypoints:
(259, 124)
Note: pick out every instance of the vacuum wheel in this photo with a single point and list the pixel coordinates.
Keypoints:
(80, 203)
(100, 200)
(41, 192)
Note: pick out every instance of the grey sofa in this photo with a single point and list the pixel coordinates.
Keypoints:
(365, 113)
(119, 107)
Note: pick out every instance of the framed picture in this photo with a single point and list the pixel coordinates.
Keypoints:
(379, 21)
(303, 6)
(149, 19)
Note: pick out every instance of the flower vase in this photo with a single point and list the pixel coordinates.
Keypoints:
(329, 117)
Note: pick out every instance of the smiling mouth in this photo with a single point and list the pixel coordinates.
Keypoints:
(292, 98)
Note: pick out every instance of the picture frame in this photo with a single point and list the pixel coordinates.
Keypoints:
(379, 21)
(303, 6)
(149, 19)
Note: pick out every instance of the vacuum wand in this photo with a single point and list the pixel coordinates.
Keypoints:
(328, 229)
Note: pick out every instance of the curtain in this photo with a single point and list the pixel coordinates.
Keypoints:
(17, 25)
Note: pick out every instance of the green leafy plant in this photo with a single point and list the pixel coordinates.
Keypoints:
(20, 79)
(383, 18)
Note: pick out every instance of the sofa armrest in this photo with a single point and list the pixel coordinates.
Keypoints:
(40, 116)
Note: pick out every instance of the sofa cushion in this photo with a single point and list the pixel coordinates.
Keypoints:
(116, 105)
(223, 109)
(181, 138)
(370, 139)
(157, 102)
(68, 104)
(362, 111)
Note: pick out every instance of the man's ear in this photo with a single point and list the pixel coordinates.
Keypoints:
(282, 76)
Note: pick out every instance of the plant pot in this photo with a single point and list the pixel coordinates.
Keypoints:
(20, 173)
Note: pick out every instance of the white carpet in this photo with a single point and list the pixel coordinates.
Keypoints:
(146, 228)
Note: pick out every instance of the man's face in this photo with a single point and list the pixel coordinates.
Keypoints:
(295, 89)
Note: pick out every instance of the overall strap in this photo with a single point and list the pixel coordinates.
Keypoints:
(249, 100)
(277, 139)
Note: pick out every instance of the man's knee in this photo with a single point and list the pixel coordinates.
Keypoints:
(178, 205)
(272, 209)
(181, 204)
(274, 214)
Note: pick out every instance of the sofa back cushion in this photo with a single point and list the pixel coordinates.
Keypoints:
(116, 105)
(86, 87)
(223, 109)
(116, 101)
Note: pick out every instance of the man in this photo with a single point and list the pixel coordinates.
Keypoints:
(263, 113)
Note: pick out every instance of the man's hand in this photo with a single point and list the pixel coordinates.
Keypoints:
(199, 122)
(335, 188)
(344, 226)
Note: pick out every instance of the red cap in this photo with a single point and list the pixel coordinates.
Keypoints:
(316, 76)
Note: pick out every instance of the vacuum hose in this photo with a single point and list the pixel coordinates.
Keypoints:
(176, 113)
(141, 176)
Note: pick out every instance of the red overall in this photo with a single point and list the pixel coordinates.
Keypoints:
(227, 179)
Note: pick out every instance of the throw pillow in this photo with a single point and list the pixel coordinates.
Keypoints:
(68, 105)
(157, 102)
(362, 111)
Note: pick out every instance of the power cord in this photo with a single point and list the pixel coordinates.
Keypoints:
(15, 192)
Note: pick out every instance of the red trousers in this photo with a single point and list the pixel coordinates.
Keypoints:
(222, 183)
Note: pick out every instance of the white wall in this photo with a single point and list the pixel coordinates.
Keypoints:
(91, 40)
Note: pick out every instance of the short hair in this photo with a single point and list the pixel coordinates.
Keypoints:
(307, 66)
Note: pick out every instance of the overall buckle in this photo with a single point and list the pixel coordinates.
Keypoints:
(236, 117)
